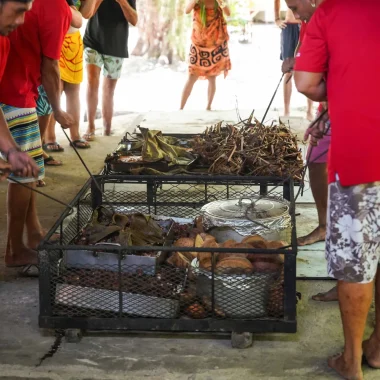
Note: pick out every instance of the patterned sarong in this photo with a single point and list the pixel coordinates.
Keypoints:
(71, 61)
(209, 53)
(23, 125)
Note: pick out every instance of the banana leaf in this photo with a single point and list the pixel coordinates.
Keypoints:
(106, 231)
(157, 147)
(134, 229)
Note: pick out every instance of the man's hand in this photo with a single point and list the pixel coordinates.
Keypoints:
(5, 169)
(22, 164)
(317, 131)
(288, 65)
(281, 24)
(64, 119)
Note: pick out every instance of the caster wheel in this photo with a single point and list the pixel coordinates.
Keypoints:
(241, 340)
(73, 336)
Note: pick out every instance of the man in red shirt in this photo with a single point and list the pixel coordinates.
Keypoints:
(317, 154)
(353, 220)
(33, 59)
(12, 13)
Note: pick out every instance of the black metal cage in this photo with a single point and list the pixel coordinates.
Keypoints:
(111, 287)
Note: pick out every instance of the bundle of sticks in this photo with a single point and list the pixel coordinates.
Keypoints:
(252, 149)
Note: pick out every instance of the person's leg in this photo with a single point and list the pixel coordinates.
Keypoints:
(18, 203)
(309, 112)
(23, 125)
(43, 122)
(93, 74)
(287, 93)
(371, 347)
(112, 72)
(354, 302)
(319, 189)
(187, 89)
(34, 230)
(73, 108)
(109, 86)
(211, 91)
(353, 257)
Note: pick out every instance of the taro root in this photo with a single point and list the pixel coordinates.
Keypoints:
(196, 311)
(206, 264)
(186, 242)
(267, 266)
(255, 241)
(229, 244)
(179, 260)
(206, 301)
(234, 265)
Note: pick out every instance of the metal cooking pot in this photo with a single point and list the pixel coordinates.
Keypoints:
(236, 218)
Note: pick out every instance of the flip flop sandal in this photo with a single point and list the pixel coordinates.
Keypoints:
(31, 270)
(80, 144)
(41, 183)
(46, 147)
(89, 136)
(51, 161)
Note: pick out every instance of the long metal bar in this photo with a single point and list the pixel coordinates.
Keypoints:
(87, 169)
(40, 192)
(271, 101)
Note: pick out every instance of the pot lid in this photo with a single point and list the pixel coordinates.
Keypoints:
(252, 208)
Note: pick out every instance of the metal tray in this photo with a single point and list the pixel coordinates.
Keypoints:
(82, 259)
(108, 300)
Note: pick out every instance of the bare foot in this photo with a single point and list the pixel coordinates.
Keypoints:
(319, 234)
(309, 116)
(34, 240)
(22, 258)
(330, 296)
(344, 368)
(371, 350)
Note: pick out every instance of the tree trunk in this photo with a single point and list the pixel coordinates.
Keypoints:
(162, 30)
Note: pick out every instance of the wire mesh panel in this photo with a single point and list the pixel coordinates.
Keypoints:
(164, 287)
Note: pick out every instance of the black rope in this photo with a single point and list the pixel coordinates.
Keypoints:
(59, 334)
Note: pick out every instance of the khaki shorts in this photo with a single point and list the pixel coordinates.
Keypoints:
(112, 66)
(353, 232)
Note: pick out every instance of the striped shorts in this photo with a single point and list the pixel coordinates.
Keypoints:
(23, 125)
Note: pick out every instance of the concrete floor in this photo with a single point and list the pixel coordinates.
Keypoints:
(155, 356)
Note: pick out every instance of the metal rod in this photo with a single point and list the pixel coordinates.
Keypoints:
(271, 101)
(87, 169)
(40, 192)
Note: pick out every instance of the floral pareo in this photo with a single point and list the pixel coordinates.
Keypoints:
(353, 232)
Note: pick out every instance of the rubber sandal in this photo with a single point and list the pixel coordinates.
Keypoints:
(49, 161)
(78, 144)
(31, 270)
(46, 147)
(89, 136)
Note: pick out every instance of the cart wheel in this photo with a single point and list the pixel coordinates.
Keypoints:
(241, 340)
(73, 335)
